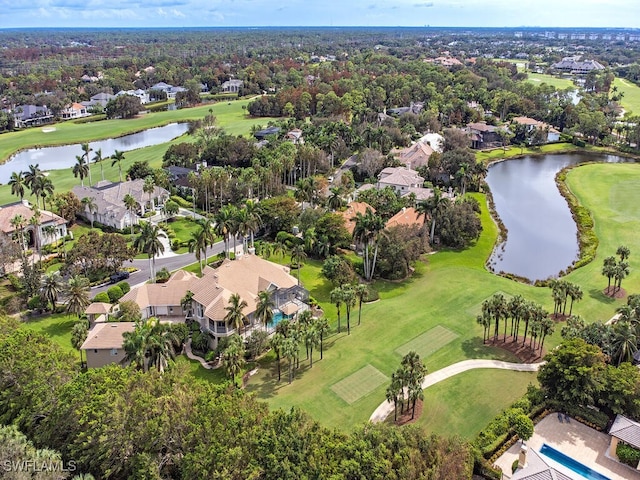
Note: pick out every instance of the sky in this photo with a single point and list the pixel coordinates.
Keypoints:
(231, 13)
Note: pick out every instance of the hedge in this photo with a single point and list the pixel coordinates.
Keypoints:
(627, 454)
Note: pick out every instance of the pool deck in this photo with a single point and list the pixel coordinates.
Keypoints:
(576, 440)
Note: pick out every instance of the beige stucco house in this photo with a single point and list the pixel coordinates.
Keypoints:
(36, 234)
(103, 345)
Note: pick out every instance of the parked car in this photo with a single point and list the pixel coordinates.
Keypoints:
(118, 277)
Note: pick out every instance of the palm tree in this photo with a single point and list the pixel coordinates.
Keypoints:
(609, 270)
(44, 186)
(335, 202)
(86, 149)
(80, 169)
(18, 222)
(117, 159)
(361, 292)
(31, 175)
(621, 272)
(51, 287)
(625, 342)
(131, 204)
(233, 357)
(623, 252)
(77, 293)
(276, 343)
(34, 221)
(254, 220)
(79, 335)
(434, 206)
(264, 308)
(575, 293)
(290, 351)
(322, 326)
(148, 188)
(394, 392)
(336, 298)
(311, 339)
(484, 320)
(97, 158)
(349, 299)
(367, 231)
(235, 315)
(135, 346)
(298, 255)
(149, 242)
(89, 204)
(199, 241)
(17, 183)
(162, 343)
(224, 225)
(186, 303)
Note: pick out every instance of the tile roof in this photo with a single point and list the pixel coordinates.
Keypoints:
(415, 156)
(163, 294)
(406, 216)
(400, 176)
(7, 212)
(97, 308)
(350, 213)
(107, 335)
(626, 430)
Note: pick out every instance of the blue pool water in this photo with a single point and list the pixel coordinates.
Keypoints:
(277, 317)
(571, 464)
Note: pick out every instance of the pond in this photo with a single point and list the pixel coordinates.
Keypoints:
(55, 158)
(542, 236)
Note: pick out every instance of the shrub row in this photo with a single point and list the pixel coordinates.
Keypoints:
(181, 201)
(628, 455)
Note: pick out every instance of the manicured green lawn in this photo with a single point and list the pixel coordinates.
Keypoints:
(631, 99)
(57, 326)
(448, 411)
(558, 82)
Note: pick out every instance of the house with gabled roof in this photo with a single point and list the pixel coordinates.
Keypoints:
(35, 234)
(415, 156)
(75, 110)
(353, 209)
(624, 430)
(246, 276)
(109, 200)
(407, 217)
(531, 124)
(400, 179)
(232, 85)
(104, 344)
(30, 115)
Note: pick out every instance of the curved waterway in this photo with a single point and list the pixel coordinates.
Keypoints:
(56, 158)
(542, 236)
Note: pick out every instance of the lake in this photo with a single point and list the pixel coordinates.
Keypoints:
(56, 158)
(542, 235)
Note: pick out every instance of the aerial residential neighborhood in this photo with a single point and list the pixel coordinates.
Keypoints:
(346, 252)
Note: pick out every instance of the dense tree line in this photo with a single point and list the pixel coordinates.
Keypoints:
(148, 425)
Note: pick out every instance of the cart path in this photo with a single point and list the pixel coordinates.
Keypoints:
(386, 407)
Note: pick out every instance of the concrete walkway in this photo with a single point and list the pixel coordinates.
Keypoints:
(386, 408)
(191, 356)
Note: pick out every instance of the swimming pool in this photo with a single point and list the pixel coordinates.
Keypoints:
(571, 464)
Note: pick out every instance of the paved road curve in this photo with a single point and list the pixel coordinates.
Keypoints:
(386, 408)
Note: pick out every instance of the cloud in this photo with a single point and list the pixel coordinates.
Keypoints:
(423, 5)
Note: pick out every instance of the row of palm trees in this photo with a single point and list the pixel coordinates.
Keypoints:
(289, 336)
(535, 318)
(348, 295)
(82, 168)
(35, 180)
(562, 291)
(406, 384)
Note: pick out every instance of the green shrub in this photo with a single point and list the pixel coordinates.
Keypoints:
(578, 142)
(115, 293)
(181, 201)
(181, 331)
(35, 303)
(15, 282)
(102, 297)
(371, 294)
(175, 245)
(200, 341)
(125, 287)
(514, 466)
(627, 454)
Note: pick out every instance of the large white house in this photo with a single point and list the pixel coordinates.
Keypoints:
(109, 200)
(49, 228)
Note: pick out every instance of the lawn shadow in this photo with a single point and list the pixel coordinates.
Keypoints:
(269, 385)
(597, 295)
(476, 348)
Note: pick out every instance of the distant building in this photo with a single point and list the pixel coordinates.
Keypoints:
(75, 110)
(264, 133)
(99, 99)
(31, 115)
(574, 66)
(232, 86)
(415, 156)
(553, 135)
(407, 217)
(353, 209)
(484, 136)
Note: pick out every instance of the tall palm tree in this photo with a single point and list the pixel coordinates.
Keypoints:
(367, 231)
(131, 204)
(233, 357)
(149, 242)
(336, 298)
(79, 334)
(435, 205)
(224, 225)
(162, 343)
(198, 243)
(254, 220)
(349, 299)
(311, 339)
(34, 221)
(18, 222)
(322, 325)
(361, 291)
(17, 183)
(290, 351)
(44, 186)
(148, 187)
(89, 204)
(135, 345)
(235, 314)
(335, 201)
(186, 303)
(31, 175)
(276, 343)
(625, 342)
(80, 169)
(117, 159)
(623, 252)
(609, 270)
(97, 158)
(298, 255)
(621, 272)
(264, 308)
(77, 293)
(51, 287)
(86, 149)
